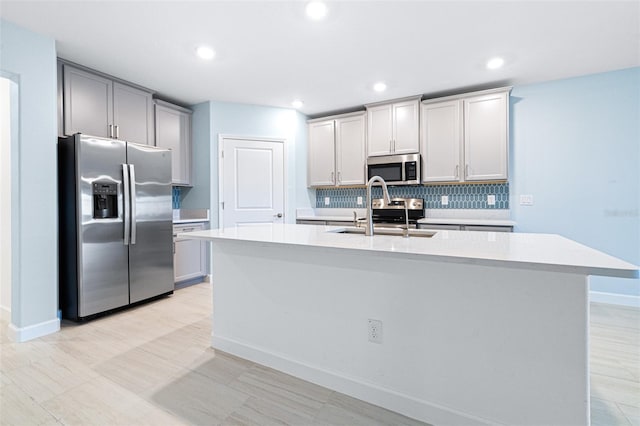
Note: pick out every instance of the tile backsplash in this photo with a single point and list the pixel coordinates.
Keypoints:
(176, 197)
(470, 196)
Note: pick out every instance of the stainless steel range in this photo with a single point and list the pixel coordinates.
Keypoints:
(394, 215)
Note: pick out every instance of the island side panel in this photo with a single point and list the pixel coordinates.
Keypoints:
(462, 343)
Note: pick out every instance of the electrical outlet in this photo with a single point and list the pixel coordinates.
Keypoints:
(359, 201)
(375, 330)
(444, 200)
(526, 200)
(491, 200)
(327, 201)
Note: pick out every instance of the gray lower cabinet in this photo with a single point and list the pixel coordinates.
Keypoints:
(434, 226)
(189, 256)
(439, 227)
(173, 131)
(310, 222)
(324, 222)
(339, 223)
(486, 228)
(97, 105)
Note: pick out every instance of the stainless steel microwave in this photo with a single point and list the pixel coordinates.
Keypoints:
(395, 169)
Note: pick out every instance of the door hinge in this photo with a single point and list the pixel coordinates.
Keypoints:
(221, 154)
(222, 204)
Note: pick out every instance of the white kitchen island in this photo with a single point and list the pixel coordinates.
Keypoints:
(477, 327)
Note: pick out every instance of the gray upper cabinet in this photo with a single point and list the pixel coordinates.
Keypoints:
(466, 137)
(337, 150)
(133, 114)
(321, 162)
(173, 131)
(97, 105)
(393, 127)
(88, 103)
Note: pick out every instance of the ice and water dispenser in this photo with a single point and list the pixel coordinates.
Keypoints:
(105, 200)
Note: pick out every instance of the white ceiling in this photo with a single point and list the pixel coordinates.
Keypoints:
(268, 53)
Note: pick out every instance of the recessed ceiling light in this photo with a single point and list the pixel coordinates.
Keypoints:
(316, 10)
(205, 52)
(495, 63)
(297, 103)
(380, 87)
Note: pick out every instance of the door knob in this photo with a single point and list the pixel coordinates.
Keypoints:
(279, 215)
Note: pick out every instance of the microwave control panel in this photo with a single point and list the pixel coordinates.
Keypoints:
(411, 170)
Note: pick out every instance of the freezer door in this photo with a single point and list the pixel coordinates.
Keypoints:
(151, 243)
(102, 257)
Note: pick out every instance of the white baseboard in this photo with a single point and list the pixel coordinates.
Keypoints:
(23, 334)
(614, 299)
(5, 314)
(382, 397)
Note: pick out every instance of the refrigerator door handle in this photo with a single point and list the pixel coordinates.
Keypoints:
(127, 197)
(132, 172)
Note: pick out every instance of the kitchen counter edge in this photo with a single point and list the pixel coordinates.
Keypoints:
(548, 252)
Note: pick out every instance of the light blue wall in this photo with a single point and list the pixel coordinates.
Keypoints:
(260, 121)
(32, 58)
(198, 197)
(575, 146)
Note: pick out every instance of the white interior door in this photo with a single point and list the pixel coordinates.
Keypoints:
(252, 181)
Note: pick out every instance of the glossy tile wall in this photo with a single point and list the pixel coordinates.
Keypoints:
(175, 197)
(472, 196)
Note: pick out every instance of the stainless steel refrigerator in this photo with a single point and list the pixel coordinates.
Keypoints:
(115, 224)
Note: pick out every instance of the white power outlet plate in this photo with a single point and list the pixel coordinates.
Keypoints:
(375, 330)
(327, 201)
(359, 201)
(526, 200)
(491, 200)
(444, 200)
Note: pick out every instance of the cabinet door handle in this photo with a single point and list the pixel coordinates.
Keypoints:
(457, 171)
(394, 146)
(466, 171)
(117, 132)
(110, 130)
(332, 177)
(390, 145)
(339, 177)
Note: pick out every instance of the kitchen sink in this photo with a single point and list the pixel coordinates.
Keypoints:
(399, 232)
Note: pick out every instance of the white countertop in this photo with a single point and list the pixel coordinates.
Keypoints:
(190, 216)
(514, 250)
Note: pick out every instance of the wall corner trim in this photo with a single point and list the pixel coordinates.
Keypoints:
(614, 299)
(23, 334)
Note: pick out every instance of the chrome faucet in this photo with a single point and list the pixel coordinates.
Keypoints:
(405, 233)
(369, 229)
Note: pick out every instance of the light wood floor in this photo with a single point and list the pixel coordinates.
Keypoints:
(153, 365)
